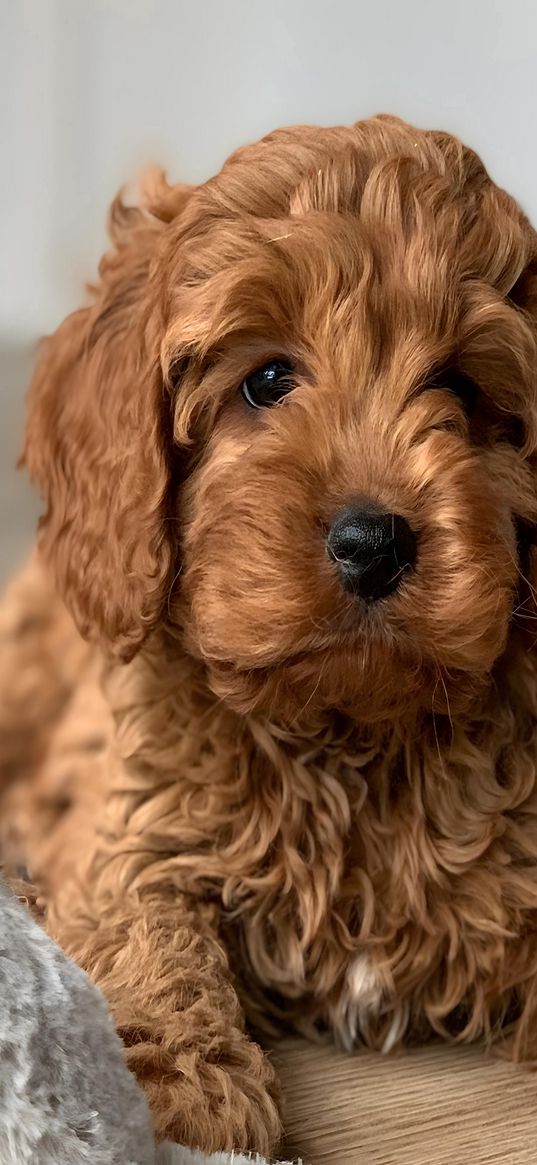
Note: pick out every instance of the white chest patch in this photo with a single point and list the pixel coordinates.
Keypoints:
(360, 1002)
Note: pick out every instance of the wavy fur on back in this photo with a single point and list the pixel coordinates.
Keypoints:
(305, 811)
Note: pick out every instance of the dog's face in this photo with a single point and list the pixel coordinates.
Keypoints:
(330, 421)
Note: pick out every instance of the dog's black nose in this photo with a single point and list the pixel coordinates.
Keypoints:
(373, 550)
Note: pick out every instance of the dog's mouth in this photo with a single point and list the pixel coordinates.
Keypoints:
(366, 662)
(357, 630)
(349, 636)
(368, 685)
(369, 677)
(430, 643)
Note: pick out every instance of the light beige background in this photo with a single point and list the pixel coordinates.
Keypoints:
(91, 90)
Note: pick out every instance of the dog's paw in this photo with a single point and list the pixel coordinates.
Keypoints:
(217, 1107)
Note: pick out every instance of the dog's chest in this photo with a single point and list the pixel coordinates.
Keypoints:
(381, 910)
(344, 889)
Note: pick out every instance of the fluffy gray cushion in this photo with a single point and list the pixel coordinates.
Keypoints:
(66, 1097)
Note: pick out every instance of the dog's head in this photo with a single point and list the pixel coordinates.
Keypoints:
(298, 423)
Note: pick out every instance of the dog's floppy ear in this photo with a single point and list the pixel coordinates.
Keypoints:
(98, 443)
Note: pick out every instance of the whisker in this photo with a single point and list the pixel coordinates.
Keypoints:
(173, 582)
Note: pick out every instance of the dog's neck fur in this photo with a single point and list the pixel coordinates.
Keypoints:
(323, 851)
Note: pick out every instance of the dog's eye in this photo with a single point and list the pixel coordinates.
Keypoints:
(458, 384)
(268, 384)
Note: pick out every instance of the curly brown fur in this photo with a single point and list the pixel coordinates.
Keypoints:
(42, 661)
(331, 806)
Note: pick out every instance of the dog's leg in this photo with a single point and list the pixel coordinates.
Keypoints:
(42, 657)
(43, 663)
(165, 975)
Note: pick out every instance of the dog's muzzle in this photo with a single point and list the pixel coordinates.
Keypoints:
(372, 550)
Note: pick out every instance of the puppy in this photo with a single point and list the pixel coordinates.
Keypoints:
(288, 459)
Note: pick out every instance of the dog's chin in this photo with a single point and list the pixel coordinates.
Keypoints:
(368, 683)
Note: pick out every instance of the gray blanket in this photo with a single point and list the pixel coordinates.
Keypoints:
(66, 1096)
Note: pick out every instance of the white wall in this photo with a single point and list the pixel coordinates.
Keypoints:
(91, 90)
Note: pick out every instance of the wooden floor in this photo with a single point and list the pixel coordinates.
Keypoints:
(435, 1106)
